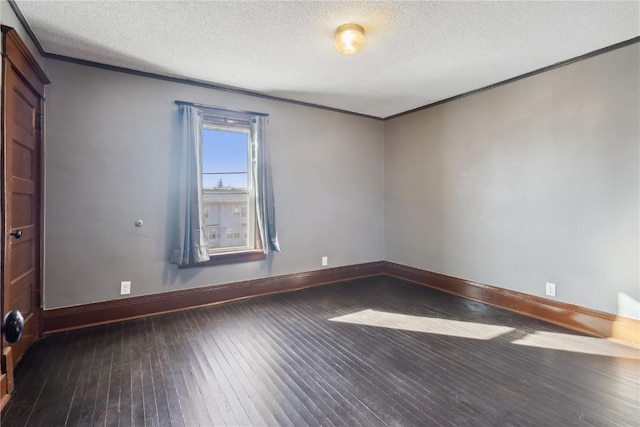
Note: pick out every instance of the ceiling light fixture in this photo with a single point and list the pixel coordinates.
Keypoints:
(349, 39)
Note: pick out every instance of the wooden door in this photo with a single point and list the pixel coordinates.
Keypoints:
(22, 138)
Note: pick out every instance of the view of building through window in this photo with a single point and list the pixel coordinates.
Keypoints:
(225, 229)
(228, 194)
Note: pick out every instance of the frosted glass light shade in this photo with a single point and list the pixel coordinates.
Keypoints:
(349, 39)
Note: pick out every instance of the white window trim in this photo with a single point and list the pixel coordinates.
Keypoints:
(251, 245)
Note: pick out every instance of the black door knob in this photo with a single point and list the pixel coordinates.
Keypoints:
(12, 326)
(17, 234)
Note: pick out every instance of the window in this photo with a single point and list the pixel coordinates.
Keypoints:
(230, 217)
(227, 184)
(240, 211)
(233, 233)
(213, 233)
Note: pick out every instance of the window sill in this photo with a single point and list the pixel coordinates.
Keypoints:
(228, 258)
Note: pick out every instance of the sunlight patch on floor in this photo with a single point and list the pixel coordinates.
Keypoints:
(628, 306)
(482, 331)
(578, 344)
(431, 325)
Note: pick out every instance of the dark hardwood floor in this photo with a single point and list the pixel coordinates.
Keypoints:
(370, 352)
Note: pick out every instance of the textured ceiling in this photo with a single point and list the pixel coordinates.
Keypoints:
(417, 52)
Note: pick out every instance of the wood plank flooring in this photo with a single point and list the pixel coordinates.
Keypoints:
(370, 352)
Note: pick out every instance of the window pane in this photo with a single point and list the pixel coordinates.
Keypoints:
(227, 219)
(224, 159)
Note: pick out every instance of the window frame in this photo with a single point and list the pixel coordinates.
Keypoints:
(246, 253)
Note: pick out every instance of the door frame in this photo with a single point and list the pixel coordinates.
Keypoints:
(16, 55)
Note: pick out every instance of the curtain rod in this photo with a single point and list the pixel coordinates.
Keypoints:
(220, 109)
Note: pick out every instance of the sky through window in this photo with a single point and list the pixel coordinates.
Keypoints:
(224, 159)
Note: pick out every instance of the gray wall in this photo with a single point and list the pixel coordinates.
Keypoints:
(532, 182)
(111, 150)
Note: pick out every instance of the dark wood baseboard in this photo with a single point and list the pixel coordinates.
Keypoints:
(574, 317)
(99, 313)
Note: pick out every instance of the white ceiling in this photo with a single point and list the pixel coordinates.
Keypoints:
(417, 52)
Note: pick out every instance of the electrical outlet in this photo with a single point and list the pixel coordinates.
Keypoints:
(551, 289)
(125, 287)
(325, 261)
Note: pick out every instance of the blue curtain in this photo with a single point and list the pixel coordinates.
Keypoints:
(191, 244)
(265, 203)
